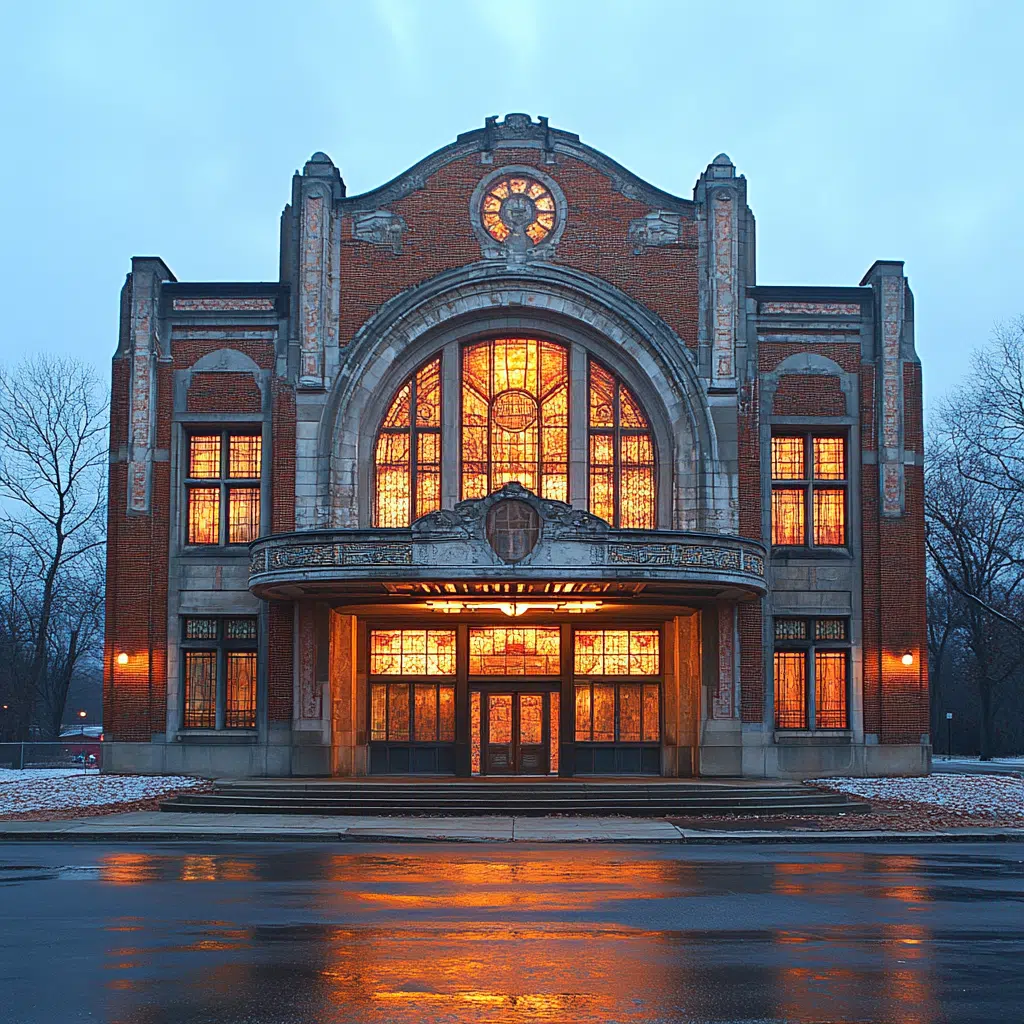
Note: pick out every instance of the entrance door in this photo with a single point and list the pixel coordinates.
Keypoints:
(514, 740)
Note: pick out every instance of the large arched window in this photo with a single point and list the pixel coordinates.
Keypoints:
(515, 417)
(408, 451)
(621, 454)
(515, 396)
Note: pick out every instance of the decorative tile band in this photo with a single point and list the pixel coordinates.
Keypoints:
(317, 556)
(238, 304)
(813, 308)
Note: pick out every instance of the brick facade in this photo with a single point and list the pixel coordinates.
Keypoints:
(659, 287)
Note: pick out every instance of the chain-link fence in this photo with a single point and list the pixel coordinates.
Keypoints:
(72, 753)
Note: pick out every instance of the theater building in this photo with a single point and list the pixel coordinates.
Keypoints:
(516, 470)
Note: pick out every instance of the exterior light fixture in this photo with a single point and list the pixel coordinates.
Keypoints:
(81, 714)
(513, 609)
(122, 658)
(908, 658)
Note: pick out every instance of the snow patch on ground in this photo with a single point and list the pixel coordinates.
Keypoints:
(60, 789)
(995, 795)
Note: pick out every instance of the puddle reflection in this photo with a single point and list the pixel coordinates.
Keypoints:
(560, 935)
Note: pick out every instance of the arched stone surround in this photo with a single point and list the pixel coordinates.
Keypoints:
(555, 302)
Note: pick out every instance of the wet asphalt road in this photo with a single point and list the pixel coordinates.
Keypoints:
(276, 934)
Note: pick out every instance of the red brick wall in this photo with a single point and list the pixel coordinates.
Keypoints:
(807, 394)
(846, 354)
(595, 240)
(186, 351)
(750, 614)
(224, 392)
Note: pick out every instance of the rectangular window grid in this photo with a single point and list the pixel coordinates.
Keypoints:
(808, 486)
(515, 651)
(412, 712)
(220, 510)
(412, 652)
(219, 668)
(615, 712)
(812, 661)
(616, 652)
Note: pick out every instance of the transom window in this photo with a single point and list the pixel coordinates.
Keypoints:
(412, 652)
(515, 395)
(222, 487)
(515, 651)
(811, 663)
(219, 672)
(808, 487)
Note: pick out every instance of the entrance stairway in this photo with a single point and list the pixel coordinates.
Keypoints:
(534, 797)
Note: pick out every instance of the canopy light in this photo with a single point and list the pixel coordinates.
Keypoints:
(513, 609)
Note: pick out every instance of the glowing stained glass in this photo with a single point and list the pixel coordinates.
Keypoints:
(583, 729)
(829, 458)
(412, 652)
(829, 517)
(407, 455)
(425, 712)
(518, 206)
(788, 515)
(790, 690)
(617, 712)
(554, 706)
(515, 651)
(499, 718)
(244, 456)
(788, 458)
(622, 489)
(515, 417)
(200, 689)
(398, 712)
(243, 514)
(474, 732)
(630, 702)
(203, 515)
(830, 689)
(240, 690)
(616, 652)
(531, 718)
(378, 712)
(204, 456)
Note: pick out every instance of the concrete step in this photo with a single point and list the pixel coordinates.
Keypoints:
(472, 799)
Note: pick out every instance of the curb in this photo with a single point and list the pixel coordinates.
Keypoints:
(687, 838)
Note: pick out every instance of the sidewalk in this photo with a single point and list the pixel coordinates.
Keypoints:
(156, 826)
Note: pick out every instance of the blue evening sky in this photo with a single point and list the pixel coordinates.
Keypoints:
(865, 130)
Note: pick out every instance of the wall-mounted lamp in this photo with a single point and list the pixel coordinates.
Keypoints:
(81, 714)
(908, 658)
(122, 658)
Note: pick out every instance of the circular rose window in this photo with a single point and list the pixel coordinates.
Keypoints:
(518, 205)
(514, 411)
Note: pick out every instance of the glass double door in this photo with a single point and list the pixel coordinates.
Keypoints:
(515, 733)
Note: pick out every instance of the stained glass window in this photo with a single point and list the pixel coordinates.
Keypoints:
(515, 651)
(830, 689)
(412, 652)
(790, 690)
(219, 669)
(616, 652)
(206, 501)
(518, 205)
(200, 689)
(240, 694)
(792, 505)
(428, 717)
(515, 417)
(622, 489)
(408, 451)
(820, 647)
(617, 712)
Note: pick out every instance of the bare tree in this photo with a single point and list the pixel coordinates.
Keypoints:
(53, 455)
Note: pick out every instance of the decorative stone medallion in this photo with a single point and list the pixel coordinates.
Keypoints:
(513, 529)
(518, 213)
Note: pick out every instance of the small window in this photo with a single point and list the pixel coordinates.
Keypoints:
(222, 488)
(808, 490)
(219, 672)
(811, 664)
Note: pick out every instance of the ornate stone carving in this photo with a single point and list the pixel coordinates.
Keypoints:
(723, 703)
(227, 304)
(697, 556)
(310, 694)
(316, 555)
(891, 447)
(379, 227)
(723, 337)
(313, 263)
(812, 308)
(513, 529)
(658, 228)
